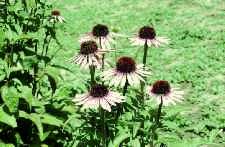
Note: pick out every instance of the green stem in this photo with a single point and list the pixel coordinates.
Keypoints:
(142, 93)
(103, 62)
(159, 112)
(144, 63)
(120, 107)
(35, 72)
(103, 56)
(143, 86)
(92, 73)
(102, 115)
(157, 122)
(145, 53)
(125, 88)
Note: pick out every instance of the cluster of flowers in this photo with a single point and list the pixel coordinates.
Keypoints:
(126, 70)
(95, 45)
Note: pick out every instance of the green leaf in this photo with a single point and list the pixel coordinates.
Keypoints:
(51, 120)
(31, 3)
(29, 61)
(26, 94)
(135, 143)
(7, 119)
(2, 144)
(119, 139)
(35, 118)
(52, 81)
(62, 68)
(11, 97)
(136, 127)
(2, 37)
(2, 69)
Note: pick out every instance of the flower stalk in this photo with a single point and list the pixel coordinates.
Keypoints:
(125, 88)
(103, 55)
(157, 122)
(102, 115)
(92, 73)
(145, 53)
(144, 63)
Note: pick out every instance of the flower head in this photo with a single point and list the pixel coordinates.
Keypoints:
(125, 65)
(126, 70)
(56, 17)
(55, 13)
(101, 34)
(99, 96)
(100, 30)
(89, 55)
(161, 89)
(147, 34)
(88, 47)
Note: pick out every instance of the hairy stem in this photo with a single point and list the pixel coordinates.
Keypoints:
(157, 122)
(103, 56)
(92, 73)
(120, 107)
(145, 53)
(125, 88)
(102, 115)
(159, 112)
(144, 63)
(143, 86)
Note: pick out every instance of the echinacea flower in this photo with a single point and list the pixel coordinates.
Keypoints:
(99, 96)
(161, 91)
(89, 55)
(126, 71)
(101, 34)
(148, 35)
(56, 17)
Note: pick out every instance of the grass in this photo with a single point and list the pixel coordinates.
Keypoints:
(194, 59)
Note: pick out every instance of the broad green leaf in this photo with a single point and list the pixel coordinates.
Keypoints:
(135, 143)
(118, 140)
(35, 118)
(7, 119)
(62, 68)
(38, 105)
(46, 134)
(18, 139)
(10, 97)
(29, 61)
(2, 37)
(6, 145)
(2, 74)
(26, 94)
(51, 120)
(52, 80)
(136, 127)
(31, 3)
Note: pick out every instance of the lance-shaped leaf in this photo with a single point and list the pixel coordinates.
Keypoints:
(10, 97)
(7, 119)
(35, 118)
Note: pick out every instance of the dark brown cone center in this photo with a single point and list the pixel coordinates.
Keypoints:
(126, 65)
(161, 87)
(98, 90)
(147, 32)
(55, 13)
(88, 47)
(100, 30)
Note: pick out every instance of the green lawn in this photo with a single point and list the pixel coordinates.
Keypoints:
(194, 60)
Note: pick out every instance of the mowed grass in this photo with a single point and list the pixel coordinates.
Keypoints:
(194, 60)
